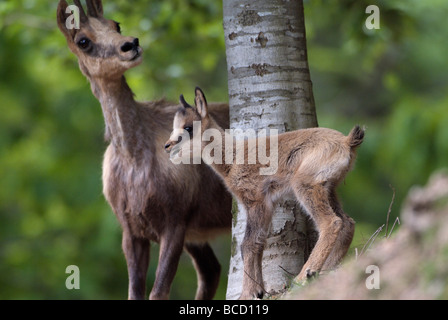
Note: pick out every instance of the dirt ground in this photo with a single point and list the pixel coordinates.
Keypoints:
(411, 264)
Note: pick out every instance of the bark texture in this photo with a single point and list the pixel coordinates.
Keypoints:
(269, 87)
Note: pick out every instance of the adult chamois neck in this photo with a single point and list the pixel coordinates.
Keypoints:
(121, 113)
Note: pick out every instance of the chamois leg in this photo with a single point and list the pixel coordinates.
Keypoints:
(315, 199)
(207, 268)
(136, 251)
(345, 236)
(252, 247)
(171, 247)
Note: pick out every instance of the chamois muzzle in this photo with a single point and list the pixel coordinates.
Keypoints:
(167, 146)
(128, 46)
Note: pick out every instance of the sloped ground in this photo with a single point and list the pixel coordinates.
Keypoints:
(412, 264)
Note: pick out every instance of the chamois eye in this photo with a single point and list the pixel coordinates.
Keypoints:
(189, 129)
(118, 27)
(84, 43)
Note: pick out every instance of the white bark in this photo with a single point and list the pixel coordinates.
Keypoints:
(269, 87)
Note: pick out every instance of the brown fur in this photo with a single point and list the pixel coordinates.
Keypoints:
(179, 206)
(311, 163)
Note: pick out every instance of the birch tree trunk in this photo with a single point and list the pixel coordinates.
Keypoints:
(269, 87)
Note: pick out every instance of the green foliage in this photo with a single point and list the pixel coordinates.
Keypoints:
(52, 210)
(393, 81)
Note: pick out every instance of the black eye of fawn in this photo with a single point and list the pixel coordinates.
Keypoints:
(188, 129)
(118, 27)
(83, 43)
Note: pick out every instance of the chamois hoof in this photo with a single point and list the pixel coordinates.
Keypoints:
(306, 276)
(258, 295)
(311, 274)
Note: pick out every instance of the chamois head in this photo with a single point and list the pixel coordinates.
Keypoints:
(185, 119)
(97, 42)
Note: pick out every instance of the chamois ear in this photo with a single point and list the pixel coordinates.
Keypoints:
(200, 102)
(94, 8)
(82, 14)
(183, 102)
(62, 17)
(66, 18)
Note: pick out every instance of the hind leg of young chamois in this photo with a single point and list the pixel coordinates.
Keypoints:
(315, 199)
(207, 268)
(171, 247)
(345, 236)
(136, 252)
(257, 228)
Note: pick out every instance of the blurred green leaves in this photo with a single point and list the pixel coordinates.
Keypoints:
(393, 80)
(52, 212)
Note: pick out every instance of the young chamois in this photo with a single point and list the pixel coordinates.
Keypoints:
(311, 163)
(178, 206)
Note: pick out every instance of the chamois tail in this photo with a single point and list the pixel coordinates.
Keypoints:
(355, 137)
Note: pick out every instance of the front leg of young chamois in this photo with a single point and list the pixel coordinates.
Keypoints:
(207, 268)
(315, 198)
(257, 227)
(171, 246)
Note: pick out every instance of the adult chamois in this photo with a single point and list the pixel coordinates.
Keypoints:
(310, 164)
(178, 206)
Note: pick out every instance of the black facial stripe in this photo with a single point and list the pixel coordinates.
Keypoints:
(100, 51)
